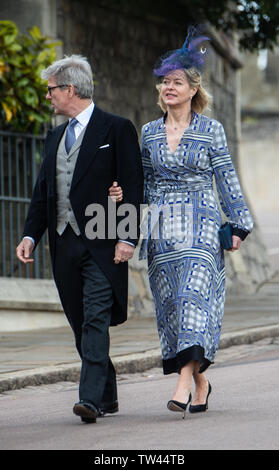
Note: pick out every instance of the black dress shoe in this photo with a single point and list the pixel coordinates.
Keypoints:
(204, 406)
(87, 411)
(110, 408)
(174, 405)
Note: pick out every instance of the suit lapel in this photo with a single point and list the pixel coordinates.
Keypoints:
(94, 135)
(52, 147)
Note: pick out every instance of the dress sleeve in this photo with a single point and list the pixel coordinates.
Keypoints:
(228, 186)
(148, 170)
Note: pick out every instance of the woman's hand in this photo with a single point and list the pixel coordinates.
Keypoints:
(236, 242)
(116, 192)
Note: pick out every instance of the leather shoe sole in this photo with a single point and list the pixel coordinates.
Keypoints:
(87, 412)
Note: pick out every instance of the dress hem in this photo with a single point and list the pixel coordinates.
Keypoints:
(193, 353)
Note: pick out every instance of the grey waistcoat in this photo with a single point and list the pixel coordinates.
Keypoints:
(65, 166)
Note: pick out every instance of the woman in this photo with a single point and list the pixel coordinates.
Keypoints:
(181, 152)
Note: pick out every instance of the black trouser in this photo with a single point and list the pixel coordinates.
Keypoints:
(86, 296)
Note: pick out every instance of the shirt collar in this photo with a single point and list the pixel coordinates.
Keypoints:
(84, 117)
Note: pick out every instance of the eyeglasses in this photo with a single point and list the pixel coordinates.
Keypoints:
(50, 88)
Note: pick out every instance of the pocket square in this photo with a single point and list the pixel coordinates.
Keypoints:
(104, 146)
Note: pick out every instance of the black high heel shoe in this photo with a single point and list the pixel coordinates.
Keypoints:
(203, 407)
(174, 405)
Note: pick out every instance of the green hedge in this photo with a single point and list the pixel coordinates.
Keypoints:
(23, 106)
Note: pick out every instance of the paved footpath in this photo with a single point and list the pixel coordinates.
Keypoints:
(49, 355)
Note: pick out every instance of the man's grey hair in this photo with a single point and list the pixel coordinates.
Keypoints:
(72, 70)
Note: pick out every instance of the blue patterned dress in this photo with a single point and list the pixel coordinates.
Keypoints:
(187, 276)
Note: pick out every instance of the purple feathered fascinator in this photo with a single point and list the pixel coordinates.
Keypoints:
(188, 56)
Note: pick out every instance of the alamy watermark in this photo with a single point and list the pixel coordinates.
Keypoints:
(169, 222)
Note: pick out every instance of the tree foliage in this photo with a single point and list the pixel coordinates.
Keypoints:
(256, 21)
(23, 106)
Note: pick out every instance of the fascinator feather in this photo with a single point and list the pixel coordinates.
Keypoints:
(190, 55)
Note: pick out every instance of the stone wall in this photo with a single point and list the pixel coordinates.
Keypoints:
(122, 50)
(259, 85)
(258, 156)
(259, 165)
(27, 13)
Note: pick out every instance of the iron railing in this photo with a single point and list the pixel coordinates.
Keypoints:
(20, 159)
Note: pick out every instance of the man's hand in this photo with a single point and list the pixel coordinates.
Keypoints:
(123, 252)
(24, 251)
(116, 192)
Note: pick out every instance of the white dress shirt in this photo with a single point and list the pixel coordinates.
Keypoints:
(83, 119)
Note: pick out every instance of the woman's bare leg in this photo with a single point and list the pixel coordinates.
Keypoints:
(201, 384)
(183, 388)
(184, 383)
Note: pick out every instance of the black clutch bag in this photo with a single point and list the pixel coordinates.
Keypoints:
(225, 235)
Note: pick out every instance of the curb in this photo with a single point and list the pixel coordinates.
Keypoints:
(248, 336)
(127, 364)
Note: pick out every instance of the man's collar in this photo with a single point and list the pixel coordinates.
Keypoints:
(84, 117)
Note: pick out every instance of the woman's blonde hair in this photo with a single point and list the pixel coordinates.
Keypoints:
(200, 100)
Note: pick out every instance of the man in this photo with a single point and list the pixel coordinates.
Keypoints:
(82, 159)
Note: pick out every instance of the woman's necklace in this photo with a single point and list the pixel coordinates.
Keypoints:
(177, 127)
